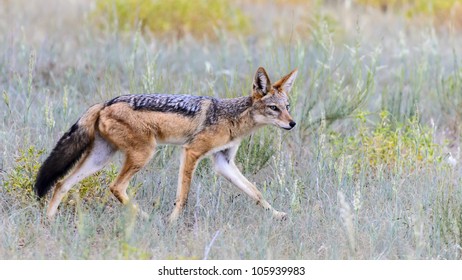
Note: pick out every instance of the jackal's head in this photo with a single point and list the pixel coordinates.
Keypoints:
(270, 101)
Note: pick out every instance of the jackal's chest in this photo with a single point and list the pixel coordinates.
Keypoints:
(227, 145)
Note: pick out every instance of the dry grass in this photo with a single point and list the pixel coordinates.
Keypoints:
(55, 63)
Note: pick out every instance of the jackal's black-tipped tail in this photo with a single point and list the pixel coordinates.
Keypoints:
(67, 151)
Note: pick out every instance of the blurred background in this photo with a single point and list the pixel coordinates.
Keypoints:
(372, 170)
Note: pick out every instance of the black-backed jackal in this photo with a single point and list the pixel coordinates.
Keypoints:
(136, 124)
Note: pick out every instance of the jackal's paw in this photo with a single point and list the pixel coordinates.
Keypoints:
(143, 215)
(136, 209)
(173, 217)
(280, 216)
(50, 217)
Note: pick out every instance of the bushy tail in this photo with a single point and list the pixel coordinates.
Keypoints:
(67, 151)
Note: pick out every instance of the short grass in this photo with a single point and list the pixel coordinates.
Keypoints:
(370, 172)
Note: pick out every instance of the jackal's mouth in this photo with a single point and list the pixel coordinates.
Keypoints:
(283, 125)
(291, 125)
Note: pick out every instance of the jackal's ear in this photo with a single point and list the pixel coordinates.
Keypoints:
(261, 83)
(285, 83)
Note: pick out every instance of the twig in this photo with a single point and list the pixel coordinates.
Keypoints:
(208, 247)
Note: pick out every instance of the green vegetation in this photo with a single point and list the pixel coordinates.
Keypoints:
(371, 171)
(180, 17)
(443, 11)
(19, 182)
(388, 144)
(419, 6)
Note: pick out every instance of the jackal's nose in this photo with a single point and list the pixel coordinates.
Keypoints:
(292, 124)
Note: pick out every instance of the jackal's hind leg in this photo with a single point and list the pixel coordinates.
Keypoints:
(224, 165)
(134, 161)
(97, 158)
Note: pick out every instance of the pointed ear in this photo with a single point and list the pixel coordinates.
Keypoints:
(285, 83)
(261, 83)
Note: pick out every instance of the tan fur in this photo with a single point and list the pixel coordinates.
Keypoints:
(89, 119)
(136, 133)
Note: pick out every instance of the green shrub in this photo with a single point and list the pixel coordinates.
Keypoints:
(19, 182)
(388, 144)
(442, 11)
(179, 17)
(431, 7)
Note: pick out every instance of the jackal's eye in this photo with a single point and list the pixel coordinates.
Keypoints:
(274, 108)
(287, 107)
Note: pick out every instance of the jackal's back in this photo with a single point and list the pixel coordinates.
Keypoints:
(187, 105)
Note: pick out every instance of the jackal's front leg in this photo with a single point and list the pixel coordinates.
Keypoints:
(189, 160)
(224, 165)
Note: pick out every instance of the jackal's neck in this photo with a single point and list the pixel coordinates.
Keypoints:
(234, 107)
(239, 113)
